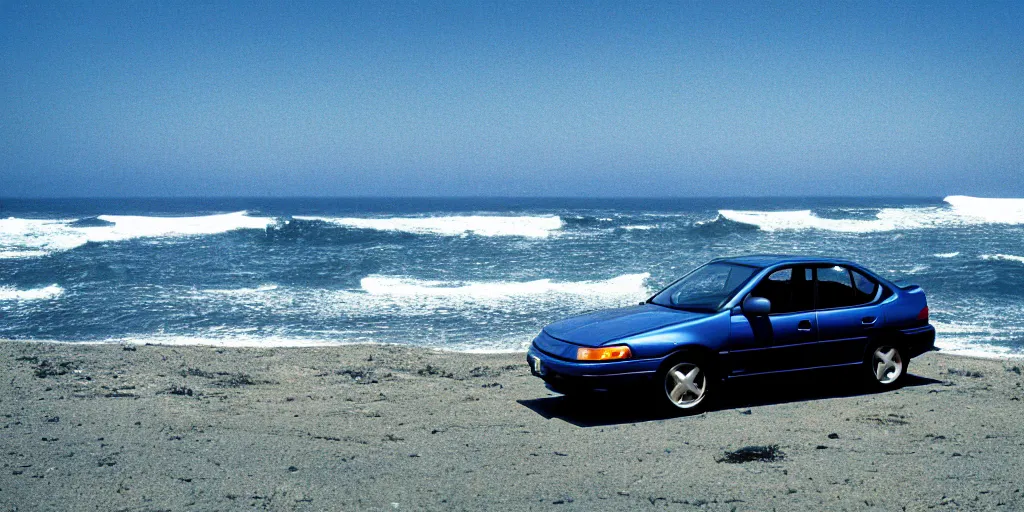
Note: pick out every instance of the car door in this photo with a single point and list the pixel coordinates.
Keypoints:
(848, 314)
(786, 338)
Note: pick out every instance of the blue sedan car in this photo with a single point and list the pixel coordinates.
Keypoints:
(739, 317)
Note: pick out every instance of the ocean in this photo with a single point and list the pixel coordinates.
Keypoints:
(465, 274)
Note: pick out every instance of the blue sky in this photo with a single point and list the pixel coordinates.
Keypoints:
(511, 99)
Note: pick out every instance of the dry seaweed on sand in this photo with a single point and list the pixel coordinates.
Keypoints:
(767, 453)
(224, 379)
(47, 369)
(965, 373)
(431, 370)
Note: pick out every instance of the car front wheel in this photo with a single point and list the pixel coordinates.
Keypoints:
(885, 366)
(686, 386)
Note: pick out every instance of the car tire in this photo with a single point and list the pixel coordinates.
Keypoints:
(685, 384)
(885, 365)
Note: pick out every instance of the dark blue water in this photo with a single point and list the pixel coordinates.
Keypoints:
(465, 274)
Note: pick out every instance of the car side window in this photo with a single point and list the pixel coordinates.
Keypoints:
(803, 289)
(775, 288)
(835, 288)
(787, 289)
(865, 288)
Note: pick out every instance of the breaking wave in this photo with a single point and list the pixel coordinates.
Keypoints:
(18, 254)
(29, 238)
(988, 210)
(481, 225)
(1002, 257)
(8, 293)
(960, 211)
(623, 288)
(455, 315)
(409, 297)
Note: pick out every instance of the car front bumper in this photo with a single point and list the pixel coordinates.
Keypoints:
(564, 375)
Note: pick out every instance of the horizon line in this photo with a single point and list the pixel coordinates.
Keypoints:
(766, 196)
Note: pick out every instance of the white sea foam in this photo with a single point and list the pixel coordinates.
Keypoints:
(710, 221)
(11, 255)
(126, 227)
(964, 328)
(9, 293)
(638, 227)
(946, 255)
(626, 287)
(887, 219)
(969, 348)
(243, 291)
(988, 210)
(960, 211)
(28, 238)
(1002, 257)
(234, 340)
(975, 339)
(337, 339)
(385, 308)
(482, 225)
(397, 296)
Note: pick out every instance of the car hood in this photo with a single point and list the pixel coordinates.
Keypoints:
(600, 327)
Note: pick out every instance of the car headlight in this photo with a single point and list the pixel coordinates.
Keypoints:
(603, 353)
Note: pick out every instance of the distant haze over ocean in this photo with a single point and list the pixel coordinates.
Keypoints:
(464, 274)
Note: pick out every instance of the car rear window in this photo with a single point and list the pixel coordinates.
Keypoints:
(866, 288)
(840, 286)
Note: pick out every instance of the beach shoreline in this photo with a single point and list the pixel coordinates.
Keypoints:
(385, 427)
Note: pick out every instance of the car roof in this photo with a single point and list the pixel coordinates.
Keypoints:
(768, 260)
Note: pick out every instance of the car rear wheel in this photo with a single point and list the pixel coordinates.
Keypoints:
(886, 366)
(685, 386)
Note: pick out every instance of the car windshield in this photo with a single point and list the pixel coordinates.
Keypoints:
(706, 288)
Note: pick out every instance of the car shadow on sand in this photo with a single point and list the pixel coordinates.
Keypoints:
(607, 408)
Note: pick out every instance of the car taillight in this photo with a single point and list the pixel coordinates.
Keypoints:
(923, 315)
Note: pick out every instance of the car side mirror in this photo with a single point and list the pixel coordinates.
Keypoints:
(756, 306)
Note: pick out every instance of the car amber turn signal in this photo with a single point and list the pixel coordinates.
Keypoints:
(603, 353)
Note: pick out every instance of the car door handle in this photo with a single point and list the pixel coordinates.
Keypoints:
(804, 326)
(868, 320)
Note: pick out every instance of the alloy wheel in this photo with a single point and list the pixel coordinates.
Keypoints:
(887, 364)
(685, 385)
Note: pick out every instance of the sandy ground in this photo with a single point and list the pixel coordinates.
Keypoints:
(106, 427)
